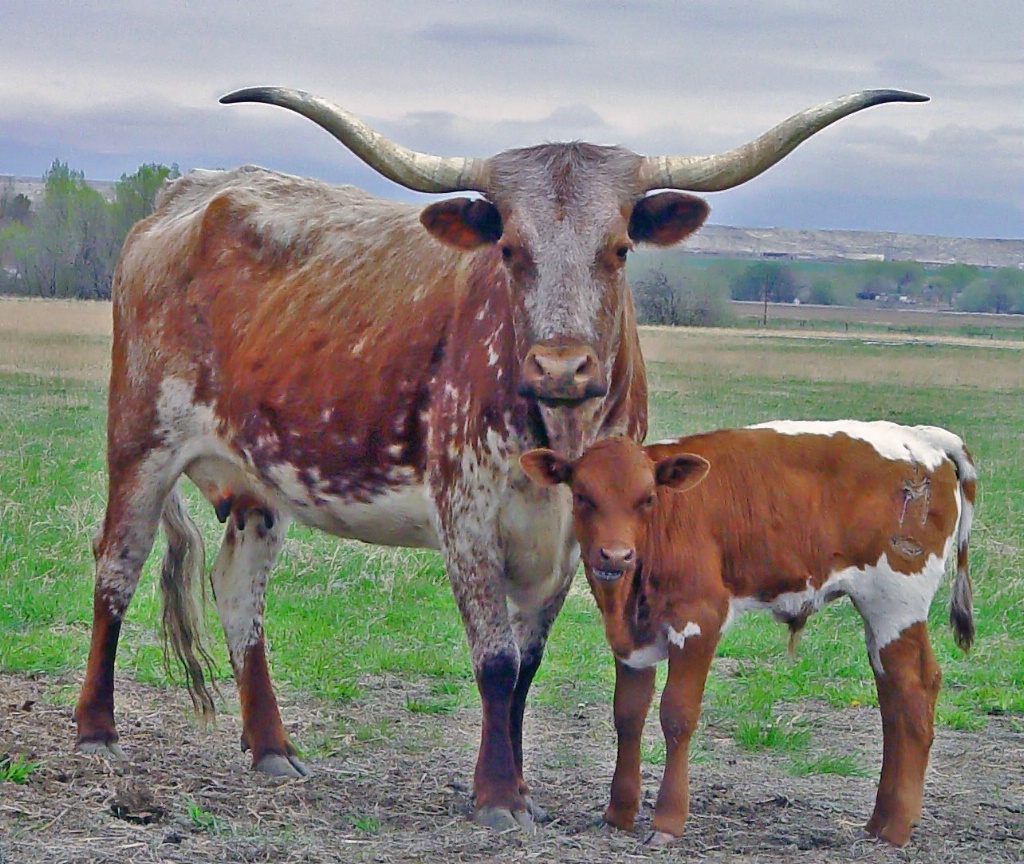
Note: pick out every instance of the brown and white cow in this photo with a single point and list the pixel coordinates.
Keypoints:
(306, 351)
(785, 516)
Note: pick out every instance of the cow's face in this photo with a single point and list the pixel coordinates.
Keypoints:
(615, 490)
(564, 218)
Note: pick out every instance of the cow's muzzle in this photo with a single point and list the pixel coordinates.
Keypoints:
(612, 561)
(563, 373)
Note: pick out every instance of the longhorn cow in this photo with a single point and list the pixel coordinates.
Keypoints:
(307, 351)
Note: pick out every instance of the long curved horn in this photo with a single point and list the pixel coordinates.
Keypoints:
(725, 170)
(419, 171)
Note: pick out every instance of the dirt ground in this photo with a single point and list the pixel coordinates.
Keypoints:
(402, 793)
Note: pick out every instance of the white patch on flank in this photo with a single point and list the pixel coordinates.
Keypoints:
(678, 638)
(890, 440)
(357, 349)
(889, 601)
(662, 441)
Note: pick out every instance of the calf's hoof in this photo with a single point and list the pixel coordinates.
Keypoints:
(110, 749)
(659, 839)
(503, 819)
(280, 765)
(894, 831)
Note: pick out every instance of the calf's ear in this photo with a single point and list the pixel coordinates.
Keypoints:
(545, 467)
(682, 471)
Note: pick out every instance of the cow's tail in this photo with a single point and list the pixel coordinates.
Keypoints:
(961, 603)
(184, 618)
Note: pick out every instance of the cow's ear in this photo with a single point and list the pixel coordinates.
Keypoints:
(464, 223)
(682, 471)
(667, 217)
(545, 467)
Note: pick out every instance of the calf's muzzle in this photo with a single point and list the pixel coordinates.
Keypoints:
(562, 373)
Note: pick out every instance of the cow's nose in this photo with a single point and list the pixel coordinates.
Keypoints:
(613, 560)
(562, 373)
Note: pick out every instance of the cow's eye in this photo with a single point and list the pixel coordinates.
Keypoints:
(622, 252)
(507, 253)
(646, 503)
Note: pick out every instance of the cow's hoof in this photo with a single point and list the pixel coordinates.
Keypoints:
(111, 750)
(658, 839)
(539, 814)
(503, 819)
(279, 765)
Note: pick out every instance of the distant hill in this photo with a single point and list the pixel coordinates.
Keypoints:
(806, 245)
(780, 243)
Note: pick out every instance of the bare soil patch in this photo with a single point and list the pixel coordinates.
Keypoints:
(391, 785)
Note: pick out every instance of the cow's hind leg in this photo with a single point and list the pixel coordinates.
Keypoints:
(136, 495)
(252, 541)
(908, 683)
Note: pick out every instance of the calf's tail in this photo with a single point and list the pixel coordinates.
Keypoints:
(961, 606)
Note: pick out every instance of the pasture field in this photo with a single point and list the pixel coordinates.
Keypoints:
(371, 665)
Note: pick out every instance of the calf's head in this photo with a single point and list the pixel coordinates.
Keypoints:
(616, 491)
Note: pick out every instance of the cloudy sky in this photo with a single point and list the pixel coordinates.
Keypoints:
(107, 85)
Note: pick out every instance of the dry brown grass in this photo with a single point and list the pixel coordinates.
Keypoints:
(60, 338)
(964, 361)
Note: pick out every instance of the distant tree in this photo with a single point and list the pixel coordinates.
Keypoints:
(69, 247)
(822, 292)
(766, 280)
(687, 300)
(655, 299)
(135, 194)
(14, 206)
(1001, 291)
(903, 278)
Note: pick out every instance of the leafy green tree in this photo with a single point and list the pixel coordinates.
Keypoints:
(822, 292)
(1002, 291)
(69, 246)
(766, 279)
(135, 194)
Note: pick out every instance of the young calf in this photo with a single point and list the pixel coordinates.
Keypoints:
(785, 516)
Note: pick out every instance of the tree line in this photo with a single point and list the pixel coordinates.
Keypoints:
(66, 244)
(695, 291)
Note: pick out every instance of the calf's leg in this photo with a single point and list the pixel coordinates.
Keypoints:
(908, 685)
(688, 667)
(634, 689)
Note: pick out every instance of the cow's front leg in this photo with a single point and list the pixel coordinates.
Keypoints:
(476, 574)
(531, 629)
(634, 689)
(690, 653)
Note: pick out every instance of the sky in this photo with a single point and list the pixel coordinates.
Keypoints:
(109, 86)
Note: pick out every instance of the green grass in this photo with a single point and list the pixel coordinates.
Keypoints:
(16, 769)
(340, 615)
(845, 766)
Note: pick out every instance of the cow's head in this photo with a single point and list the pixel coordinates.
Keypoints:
(564, 217)
(615, 490)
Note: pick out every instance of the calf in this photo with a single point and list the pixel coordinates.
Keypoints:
(785, 516)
